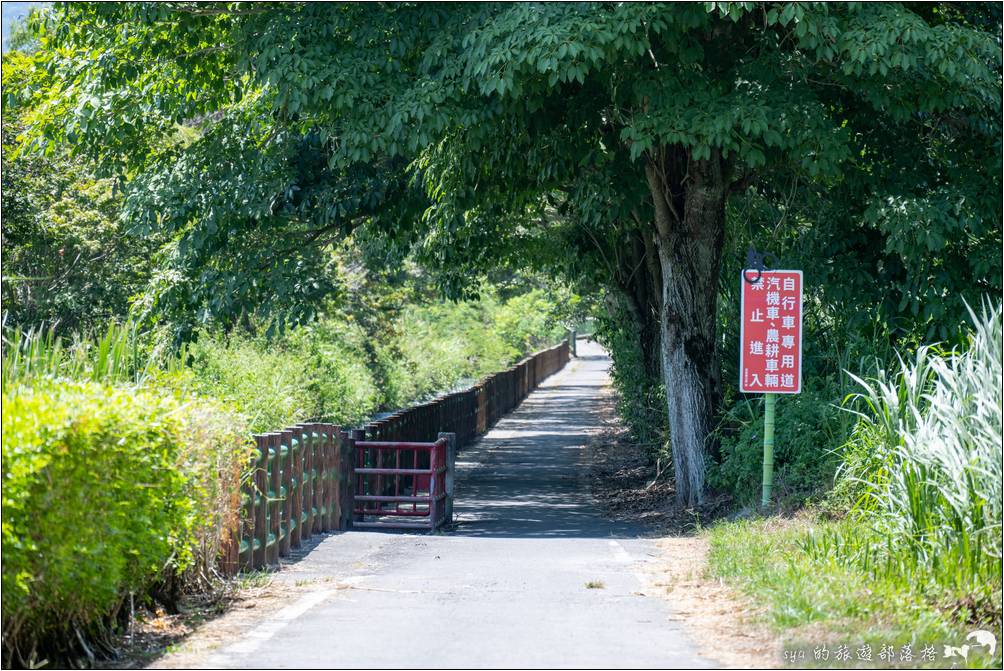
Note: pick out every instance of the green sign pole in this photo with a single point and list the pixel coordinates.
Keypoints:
(768, 447)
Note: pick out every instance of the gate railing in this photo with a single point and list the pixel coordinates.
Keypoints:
(303, 478)
(404, 485)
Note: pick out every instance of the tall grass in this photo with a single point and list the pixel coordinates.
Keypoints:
(119, 355)
(925, 461)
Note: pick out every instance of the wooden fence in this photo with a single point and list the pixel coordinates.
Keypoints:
(302, 477)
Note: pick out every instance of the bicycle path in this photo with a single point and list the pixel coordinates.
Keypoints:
(532, 575)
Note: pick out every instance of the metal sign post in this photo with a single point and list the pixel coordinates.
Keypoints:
(770, 344)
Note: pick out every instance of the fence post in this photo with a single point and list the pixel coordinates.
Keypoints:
(308, 483)
(296, 511)
(317, 449)
(319, 466)
(274, 516)
(357, 435)
(245, 537)
(284, 490)
(330, 475)
(260, 503)
(344, 471)
(451, 472)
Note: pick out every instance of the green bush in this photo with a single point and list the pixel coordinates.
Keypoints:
(441, 346)
(267, 385)
(444, 345)
(213, 455)
(341, 381)
(333, 370)
(807, 426)
(102, 498)
(526, 322)
(318, 372)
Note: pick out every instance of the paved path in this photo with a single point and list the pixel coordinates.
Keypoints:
(507, 587)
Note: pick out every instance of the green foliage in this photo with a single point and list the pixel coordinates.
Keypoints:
(68, 258)
(101, 499)
(268, 384)
(313, 375)
(342, 379)
(925, 461)
(469, 124)
(122, 354)
(122, 464)
(444, 345)
(814, 576)
(20, 36)
(335, 370)
(918, 559)
(214, 453)
(441, 346)
(526, 322)
(807, 427)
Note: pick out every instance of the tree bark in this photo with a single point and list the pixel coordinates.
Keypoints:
(689, 198)
(638, 279)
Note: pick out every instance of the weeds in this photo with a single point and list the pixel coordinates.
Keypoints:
(925, 463)
(120, 355)
(918, 559)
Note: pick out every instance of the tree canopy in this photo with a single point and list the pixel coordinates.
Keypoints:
(602, 140)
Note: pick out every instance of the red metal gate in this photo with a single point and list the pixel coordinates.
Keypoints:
(403, 485)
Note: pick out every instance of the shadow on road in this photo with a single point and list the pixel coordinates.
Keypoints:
(531, 477)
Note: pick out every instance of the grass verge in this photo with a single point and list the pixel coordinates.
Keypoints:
(831, 609)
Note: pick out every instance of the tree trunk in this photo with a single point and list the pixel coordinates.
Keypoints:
(689, 198)
(639, 282)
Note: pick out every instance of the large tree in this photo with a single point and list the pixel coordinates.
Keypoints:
(489, 127)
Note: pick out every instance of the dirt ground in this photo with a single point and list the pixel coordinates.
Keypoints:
(198, 627)
(723, 622)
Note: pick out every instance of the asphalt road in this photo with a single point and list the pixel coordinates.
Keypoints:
(507, 587)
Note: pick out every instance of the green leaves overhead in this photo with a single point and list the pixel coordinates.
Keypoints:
(259, 134)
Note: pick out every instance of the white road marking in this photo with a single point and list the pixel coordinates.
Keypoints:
(258, 636)
(621, 555)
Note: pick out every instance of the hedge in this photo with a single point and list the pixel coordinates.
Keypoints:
(108, 491)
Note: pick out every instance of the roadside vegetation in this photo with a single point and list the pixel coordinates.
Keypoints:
(128, 412)
(211, 229)
(123, 457)
(903, 555)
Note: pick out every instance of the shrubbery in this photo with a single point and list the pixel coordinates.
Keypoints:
(334, 371)
(441, 346)
(915, 551)
(313, 374)
(807, 426)
(122, 461)
(924, 466)
(106, 492)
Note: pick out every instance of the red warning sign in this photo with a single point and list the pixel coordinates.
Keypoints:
(770, 336)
